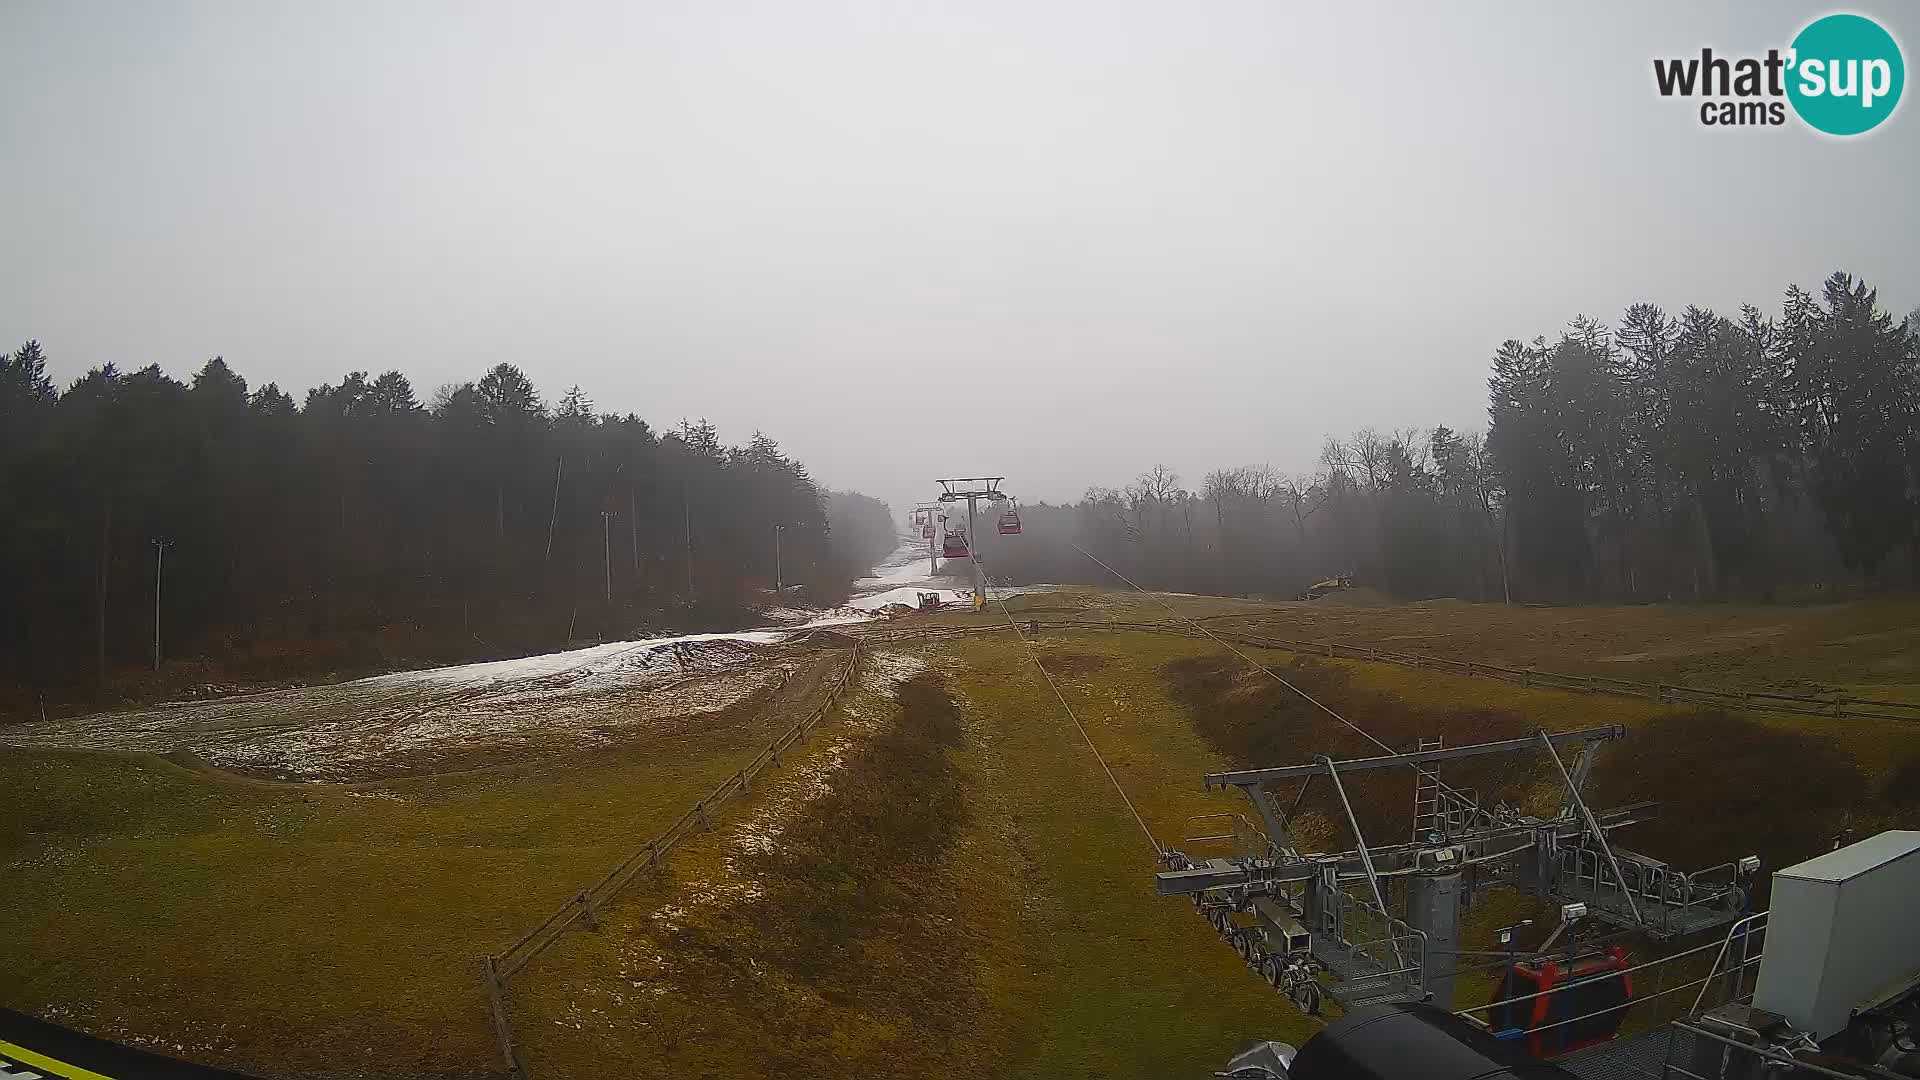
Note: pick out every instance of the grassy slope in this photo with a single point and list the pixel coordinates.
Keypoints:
(853, 947)
(1870, 645)
(311, 931)
(1118, 982)
(353, 922)
(1024, 941)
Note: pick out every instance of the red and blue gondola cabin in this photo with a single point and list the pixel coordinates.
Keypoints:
(1589, 1001)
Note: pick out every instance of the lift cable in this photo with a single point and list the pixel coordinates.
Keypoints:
(1270, 673)
(1034, 655)
(1315, 702)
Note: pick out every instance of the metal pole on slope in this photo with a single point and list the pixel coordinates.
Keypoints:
(553, 515)
(973, 538)
(159, 554)
(606, 545)
(686, 508)
(777, 530)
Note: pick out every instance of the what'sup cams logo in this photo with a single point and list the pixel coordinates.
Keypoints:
(1842, 76)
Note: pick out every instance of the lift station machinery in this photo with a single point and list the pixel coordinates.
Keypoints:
(1381, 922)
(1837, 998)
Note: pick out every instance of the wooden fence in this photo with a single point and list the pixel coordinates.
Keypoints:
(586, 905)
(1828, 705)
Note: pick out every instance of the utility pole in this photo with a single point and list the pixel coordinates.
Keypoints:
(159, 556)
(553, 515)
(777, 530)
(686, 508)
(606, 545)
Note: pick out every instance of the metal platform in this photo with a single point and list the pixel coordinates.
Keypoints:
(1656, 918)
(1637, 1057)
(1361, 980)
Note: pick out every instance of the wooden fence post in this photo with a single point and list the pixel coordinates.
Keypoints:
(502, 1027)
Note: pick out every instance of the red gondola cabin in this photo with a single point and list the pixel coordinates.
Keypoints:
(954, 546)
(1596, 989)
(1010, 523)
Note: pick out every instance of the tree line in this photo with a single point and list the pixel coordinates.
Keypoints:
(1690, 456)
(363, 525)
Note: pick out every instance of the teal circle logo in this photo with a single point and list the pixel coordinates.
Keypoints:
(1846, 74)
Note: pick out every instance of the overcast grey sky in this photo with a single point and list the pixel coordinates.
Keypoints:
(1059, 241)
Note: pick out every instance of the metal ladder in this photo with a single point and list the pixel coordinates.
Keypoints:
(1428, 815)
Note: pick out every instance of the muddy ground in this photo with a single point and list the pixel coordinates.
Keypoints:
(450, 718)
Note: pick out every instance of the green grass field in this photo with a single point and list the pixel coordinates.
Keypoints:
(309, 931)
(943, 881)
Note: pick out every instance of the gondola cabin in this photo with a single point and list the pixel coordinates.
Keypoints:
(1595, 988)
(954, 546)
(1010, 523)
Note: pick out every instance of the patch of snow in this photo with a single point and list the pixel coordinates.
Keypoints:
(556, 700)
(885, 671)
(906, 594)
(345, 730)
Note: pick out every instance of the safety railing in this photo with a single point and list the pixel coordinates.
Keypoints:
(1247, 839)
(586, 905)
(1673, 896)
(1390, 942)
(1734, 958)
(1730, 969)
(1696, 1053)
(1750, 934)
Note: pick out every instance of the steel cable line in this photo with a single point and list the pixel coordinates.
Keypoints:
(1315, 702)
(1270, 673)
(1034, 655)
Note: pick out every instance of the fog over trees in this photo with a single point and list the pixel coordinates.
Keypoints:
(1668, 456)
(364, 521)
(1688, 455)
